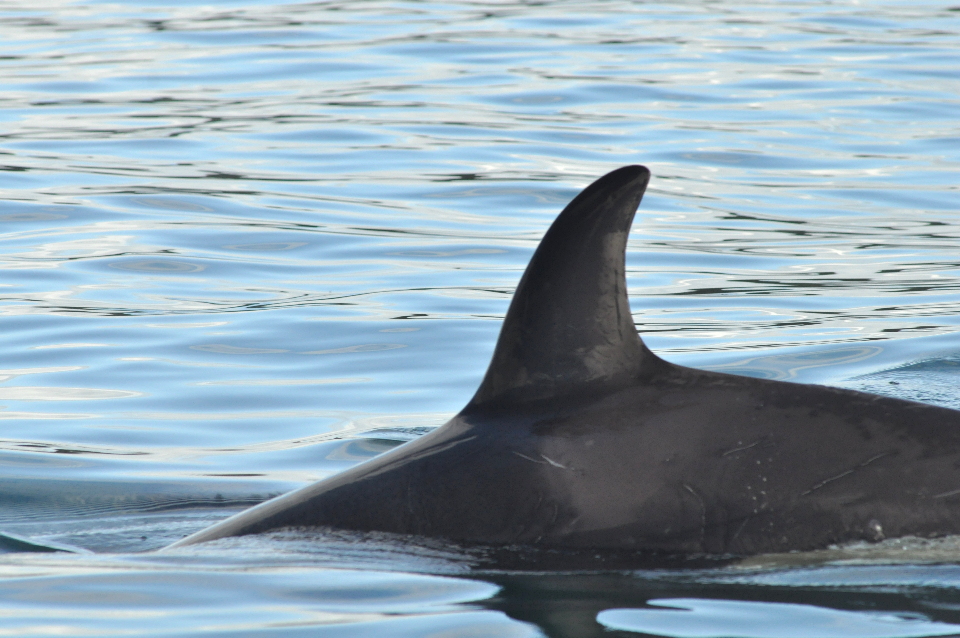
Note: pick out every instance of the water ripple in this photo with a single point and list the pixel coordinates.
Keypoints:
(197, 195)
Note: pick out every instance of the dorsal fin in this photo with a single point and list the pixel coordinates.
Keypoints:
(569, 323)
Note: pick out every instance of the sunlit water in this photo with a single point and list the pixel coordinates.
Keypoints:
(246, 245)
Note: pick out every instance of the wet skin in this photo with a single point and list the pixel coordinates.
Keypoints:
(580, 437)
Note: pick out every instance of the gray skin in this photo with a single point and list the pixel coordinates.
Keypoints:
(580, 437)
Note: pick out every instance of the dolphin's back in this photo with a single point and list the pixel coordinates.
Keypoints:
(580, 437)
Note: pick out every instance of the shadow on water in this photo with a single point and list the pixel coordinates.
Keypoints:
(394, 585)
(663, 604)
(901, 588)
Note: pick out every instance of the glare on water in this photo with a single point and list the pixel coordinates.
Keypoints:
(245, 245)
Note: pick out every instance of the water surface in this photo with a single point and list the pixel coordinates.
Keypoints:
(245, 245)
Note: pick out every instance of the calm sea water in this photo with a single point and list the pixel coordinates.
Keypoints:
(245, 245)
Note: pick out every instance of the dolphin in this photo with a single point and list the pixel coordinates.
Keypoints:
(580, 438)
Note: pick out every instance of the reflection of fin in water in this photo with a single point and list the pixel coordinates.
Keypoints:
(11, 544)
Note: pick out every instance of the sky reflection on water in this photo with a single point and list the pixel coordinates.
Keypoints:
(236, 236)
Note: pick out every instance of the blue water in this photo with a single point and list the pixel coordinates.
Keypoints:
(245, 245)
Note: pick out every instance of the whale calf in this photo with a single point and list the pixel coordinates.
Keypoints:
(579, 437)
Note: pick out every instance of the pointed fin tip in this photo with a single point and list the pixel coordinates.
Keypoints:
(569, 324)
(625, 176)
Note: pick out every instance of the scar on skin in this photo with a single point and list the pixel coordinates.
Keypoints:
(441, 448)
(741, 449)
(703, 513)
(553, 463)
(739, 529)
(847, 473)
(546, 460)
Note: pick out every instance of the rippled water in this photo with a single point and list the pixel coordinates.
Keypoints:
(245, 245)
